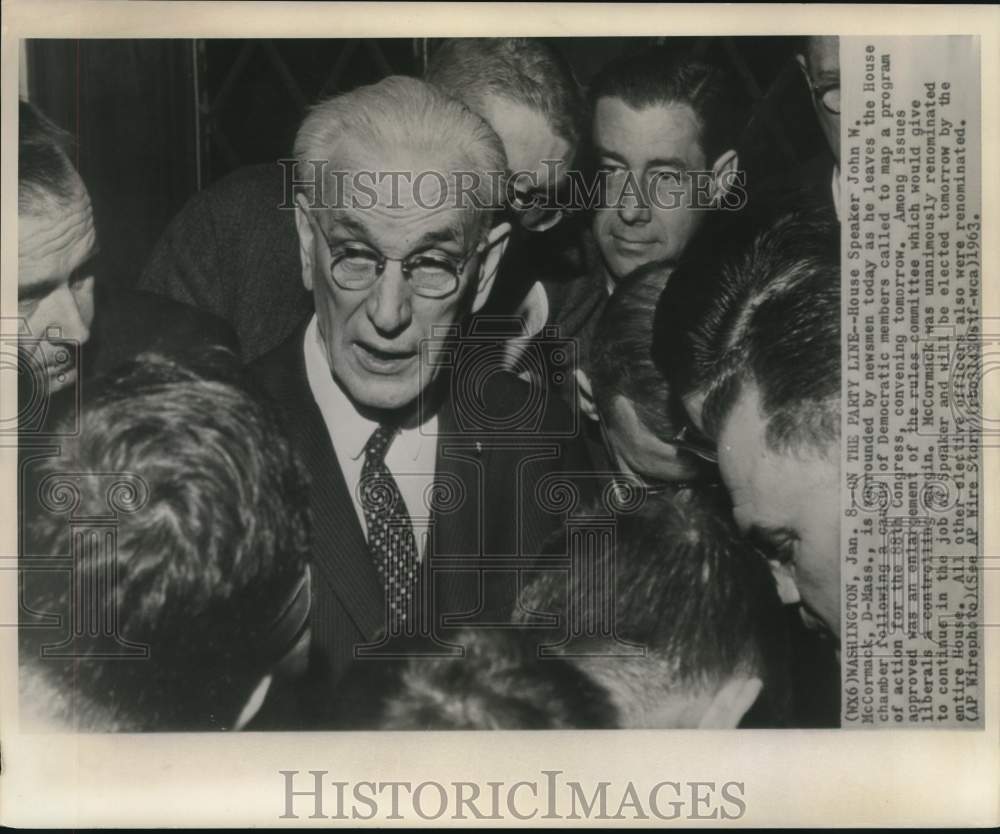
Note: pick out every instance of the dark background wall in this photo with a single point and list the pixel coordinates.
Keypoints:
(158, 119)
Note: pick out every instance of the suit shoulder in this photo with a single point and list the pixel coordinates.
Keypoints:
(253, 183)
(505, 394)
(130, 322)
(281, 367)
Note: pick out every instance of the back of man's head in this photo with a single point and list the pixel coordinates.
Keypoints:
(660, 77)
(44, 170)
(619, 362)
(774, 322)
(403, 125)
(498, 683)
(207, 564)
(526, 71)
(700, 601)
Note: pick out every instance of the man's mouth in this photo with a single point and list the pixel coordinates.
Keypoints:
(381, 360)
(626, 244)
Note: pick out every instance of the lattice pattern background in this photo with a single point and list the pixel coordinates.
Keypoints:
(253, 93)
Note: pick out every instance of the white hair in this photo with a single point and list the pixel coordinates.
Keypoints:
(400, 113)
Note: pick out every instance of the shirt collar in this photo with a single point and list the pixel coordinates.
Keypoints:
(353, 429)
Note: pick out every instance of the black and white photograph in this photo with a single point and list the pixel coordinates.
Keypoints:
(374, 388)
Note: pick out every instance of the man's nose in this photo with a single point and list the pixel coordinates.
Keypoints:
(388, 305)
(633, 208)
(71, 316)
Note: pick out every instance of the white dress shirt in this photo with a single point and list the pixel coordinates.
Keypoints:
(411, 457)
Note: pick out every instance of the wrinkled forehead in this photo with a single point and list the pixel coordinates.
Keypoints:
(666, 132)
(770, 488)
(55, 233)
(761, 483)
(404, 192)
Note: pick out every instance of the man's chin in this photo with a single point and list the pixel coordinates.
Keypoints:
(618, 267)
(382, 393)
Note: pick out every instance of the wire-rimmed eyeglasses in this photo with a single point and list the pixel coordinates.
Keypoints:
(357, 266)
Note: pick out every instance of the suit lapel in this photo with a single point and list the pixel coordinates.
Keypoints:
(462, 457)
(340, 550)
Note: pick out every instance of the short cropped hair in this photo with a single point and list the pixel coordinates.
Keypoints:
(404, 113)
(659, 76)
(620, 362)
(689, 589)
(773, 321)
(692, 293)
(207, 562)
(526, 71)
(499, 683)
(44, 169)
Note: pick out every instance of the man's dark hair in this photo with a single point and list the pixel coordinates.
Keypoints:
(772, 320)
(620, 362)
(526, 71)
(500, 683)
(688, 588)
(43, 164)
(209, 559)
(660, 76)
(690, 296)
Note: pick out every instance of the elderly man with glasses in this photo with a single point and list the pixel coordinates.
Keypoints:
(417, 456)
(232, 250)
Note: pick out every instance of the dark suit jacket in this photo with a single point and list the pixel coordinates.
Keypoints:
(499, 513)
(233, 251)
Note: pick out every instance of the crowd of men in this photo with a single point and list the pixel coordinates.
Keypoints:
(504, 404)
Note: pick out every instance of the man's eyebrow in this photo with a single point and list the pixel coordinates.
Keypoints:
(667, 162)
(602, 152)
(453, 233)
(39, 289)
(352, 225)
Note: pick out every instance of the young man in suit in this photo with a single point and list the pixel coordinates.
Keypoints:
(424, 454)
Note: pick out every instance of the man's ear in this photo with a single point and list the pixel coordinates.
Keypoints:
(496, 245)
(585, 395)
(731, 703)
(723, 174)
(306, 232)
